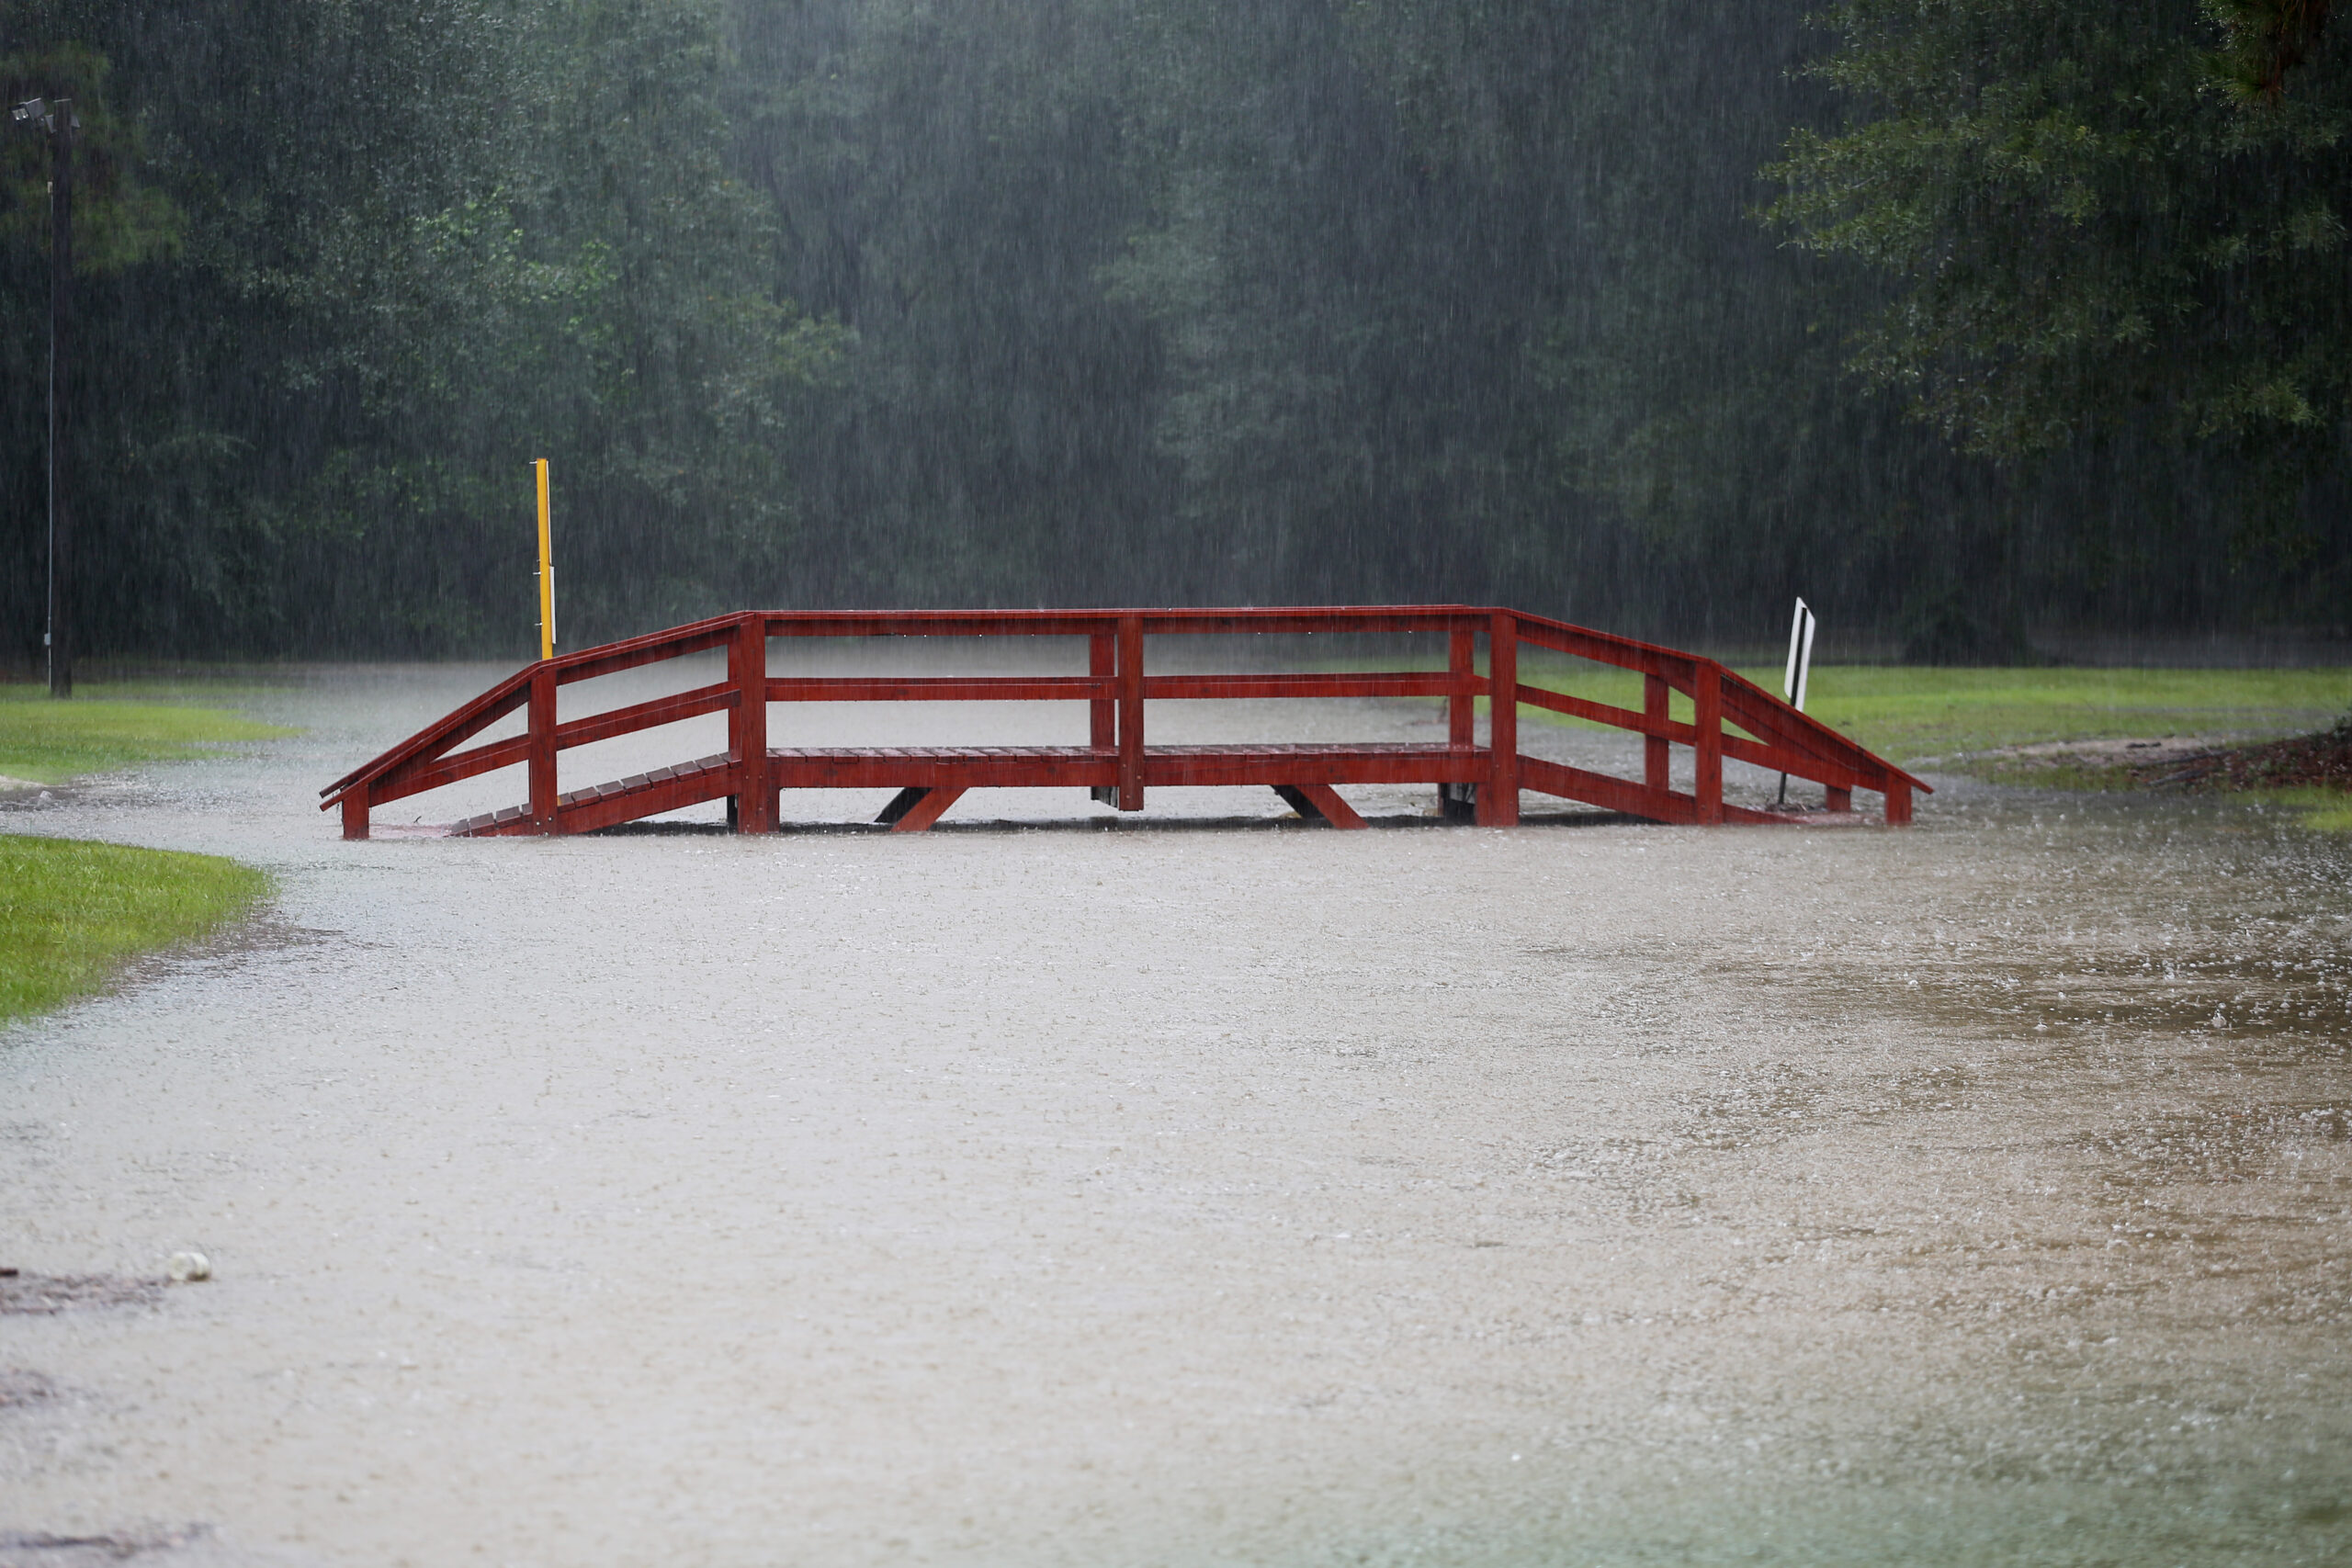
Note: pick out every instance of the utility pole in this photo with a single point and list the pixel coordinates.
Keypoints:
(57, 119)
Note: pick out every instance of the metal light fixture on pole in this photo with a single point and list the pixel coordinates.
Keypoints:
(57, 120)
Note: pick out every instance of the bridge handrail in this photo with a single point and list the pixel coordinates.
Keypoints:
(510, 694)
(1783, 738)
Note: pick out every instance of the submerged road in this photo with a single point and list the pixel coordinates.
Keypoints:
(1596, 1193)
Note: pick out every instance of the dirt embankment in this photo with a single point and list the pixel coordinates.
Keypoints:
(2303, 762)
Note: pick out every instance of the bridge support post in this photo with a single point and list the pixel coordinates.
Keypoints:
(355, 811)
(1499, 798)
(1707, 697)
(747, 727)
(1103, 713)
(544, 802)
(1462, 709)
(1657, 756)
(1131, 713)
(1898, 803)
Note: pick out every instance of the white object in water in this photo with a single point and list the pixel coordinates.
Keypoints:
(186, 1268)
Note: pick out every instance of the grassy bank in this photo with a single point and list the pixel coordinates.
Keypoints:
(2043, 727)
(1910, 713)
(1907, 714)
(49, 742)
(2323, 810)
(70, 913)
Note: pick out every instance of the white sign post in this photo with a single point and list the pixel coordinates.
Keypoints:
(1799, 670)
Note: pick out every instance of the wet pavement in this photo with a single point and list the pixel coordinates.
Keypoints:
(1073, 1190)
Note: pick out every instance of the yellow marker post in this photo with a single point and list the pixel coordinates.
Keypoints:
(547, 569)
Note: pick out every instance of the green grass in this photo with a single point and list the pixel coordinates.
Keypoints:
(1905, 713)
(70, 913)
(49, 742)
(2323, 811)
(1910, 713)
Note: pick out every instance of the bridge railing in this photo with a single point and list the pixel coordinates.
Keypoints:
(1118, 689)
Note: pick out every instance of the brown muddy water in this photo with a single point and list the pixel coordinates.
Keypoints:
(1053, 1192)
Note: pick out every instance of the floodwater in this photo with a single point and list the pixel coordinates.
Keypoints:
(1591, 1192)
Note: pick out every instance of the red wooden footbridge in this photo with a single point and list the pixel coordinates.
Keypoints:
(1730, 717)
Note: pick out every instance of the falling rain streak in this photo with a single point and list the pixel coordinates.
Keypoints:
(1024, 302)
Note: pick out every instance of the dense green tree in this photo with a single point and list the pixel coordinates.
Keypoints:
(400, 249)
(2084, 231)
(1024, 301)
(950, 178)
(2090, 246)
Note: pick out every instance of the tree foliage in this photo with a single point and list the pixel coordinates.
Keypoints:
(358, 264)
(2086, 233)
(1029, 302)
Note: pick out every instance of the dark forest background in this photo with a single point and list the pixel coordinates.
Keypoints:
(1967, 318)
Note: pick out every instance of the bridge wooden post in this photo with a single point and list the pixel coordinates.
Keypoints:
(1498, 796)
(544, 804)
(1131, 713)
(1657, 755)
(1898, 803)
(1103, 713)
(1461, 709)
(747, 727)
(354, 810)
(1707, 697)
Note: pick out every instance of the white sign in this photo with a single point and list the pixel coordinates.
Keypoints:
(1800, 658)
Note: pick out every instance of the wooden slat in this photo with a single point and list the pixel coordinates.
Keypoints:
(747, 725)
(417, 777)
(513, 692)
(506, 820)
(971, 768)
(933, 805)
(1498, 794)
(1325, 799)
(1130, 704)
(1273, 620)
(1461, 709)
(1298, 765)
(1656, 762)
(1776, 723)
(939, 623)
(1395, 683)
(1612, 794)
(1602, 713)
(1707, 708)
(1606, 648)
(1103, 712)
(1769, 719)
(1797, 764)
(590, 663)
(1606, 791)
(463, 724)
(1286, 622)
(541, 758)
(671, 795)
(939, 689)
(645, 715)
